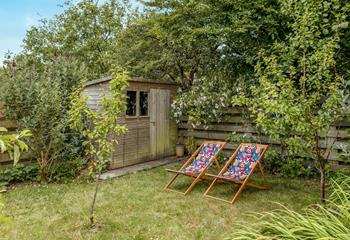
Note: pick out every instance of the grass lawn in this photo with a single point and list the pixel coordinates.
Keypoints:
(136, 207)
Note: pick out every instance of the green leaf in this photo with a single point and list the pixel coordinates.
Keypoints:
(2, 146)
(2, 129)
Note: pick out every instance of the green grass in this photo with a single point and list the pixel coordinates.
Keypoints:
(136, 207)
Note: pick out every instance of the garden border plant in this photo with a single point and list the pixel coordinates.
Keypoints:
(330, 221)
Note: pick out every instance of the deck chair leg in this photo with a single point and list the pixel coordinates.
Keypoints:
(239, 191)
(210, 187)
(189, 189)
(266, 184)
(171, 181)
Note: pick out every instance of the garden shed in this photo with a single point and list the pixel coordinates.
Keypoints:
(151, 132)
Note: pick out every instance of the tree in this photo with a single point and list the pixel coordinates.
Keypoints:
(86, 31)
(206, 46)
(100, 128)
(38, 100)
(299, 92)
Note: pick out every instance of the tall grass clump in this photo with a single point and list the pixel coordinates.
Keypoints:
(329, 221)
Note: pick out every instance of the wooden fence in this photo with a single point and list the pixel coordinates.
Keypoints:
(233, 121)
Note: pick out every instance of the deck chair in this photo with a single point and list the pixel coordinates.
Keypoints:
(240, 167)
(197, 164)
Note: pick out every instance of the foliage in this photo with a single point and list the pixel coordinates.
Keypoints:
(19, 173)
(65, 171)
(103, 126)
(39, 101)
(324, 222)
(86, 31)
(190, 145)
(13, 144)
(208, 47)
(274, 163)
(298, 97)
(203, 103)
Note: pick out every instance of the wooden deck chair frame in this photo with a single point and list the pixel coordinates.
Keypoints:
(219, 178)
(201, 175)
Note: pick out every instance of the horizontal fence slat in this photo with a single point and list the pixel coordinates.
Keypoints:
(234, 121)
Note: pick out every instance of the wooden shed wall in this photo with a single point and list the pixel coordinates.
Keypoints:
(133, 147)
(233, 121)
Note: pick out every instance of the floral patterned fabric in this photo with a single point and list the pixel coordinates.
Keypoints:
(244, 162)
(202, 159)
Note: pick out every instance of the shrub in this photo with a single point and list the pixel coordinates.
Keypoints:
(279, 162)
(19, 173)
(66, 170)
(38, 99)
(323, 222)
(190, 145)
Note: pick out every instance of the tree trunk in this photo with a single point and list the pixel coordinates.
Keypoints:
(42, 166)
(91, 215)
(322, 161)
(322, 182)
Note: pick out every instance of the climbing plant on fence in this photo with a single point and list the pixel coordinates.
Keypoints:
(100, 128)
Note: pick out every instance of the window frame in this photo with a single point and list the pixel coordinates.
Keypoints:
(136, 101)
(138, 104)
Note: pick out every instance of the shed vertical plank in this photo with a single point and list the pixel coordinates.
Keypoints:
(167, 123)
(160, 123)
(153, 119)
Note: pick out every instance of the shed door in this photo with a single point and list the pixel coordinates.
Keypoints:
(160, 123)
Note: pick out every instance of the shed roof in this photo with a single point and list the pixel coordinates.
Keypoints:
(107, 79)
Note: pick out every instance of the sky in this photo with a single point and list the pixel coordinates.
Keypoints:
(16, 16)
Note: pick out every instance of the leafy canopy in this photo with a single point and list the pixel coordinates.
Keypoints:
(86, 30)
(39, 101)
(298, 96)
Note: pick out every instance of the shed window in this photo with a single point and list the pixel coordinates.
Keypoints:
(143, 103)
(131, 103)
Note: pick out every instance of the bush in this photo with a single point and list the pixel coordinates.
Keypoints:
(39, 101)
(324, 222)
(274, 163)
(19, 173)
(291, 167)
(190, 145)
(62, 171)
(66, 171)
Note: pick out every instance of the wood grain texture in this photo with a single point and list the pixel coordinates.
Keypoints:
(234, 121)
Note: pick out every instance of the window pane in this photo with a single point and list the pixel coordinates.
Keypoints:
(131, 103)
(143, 103)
